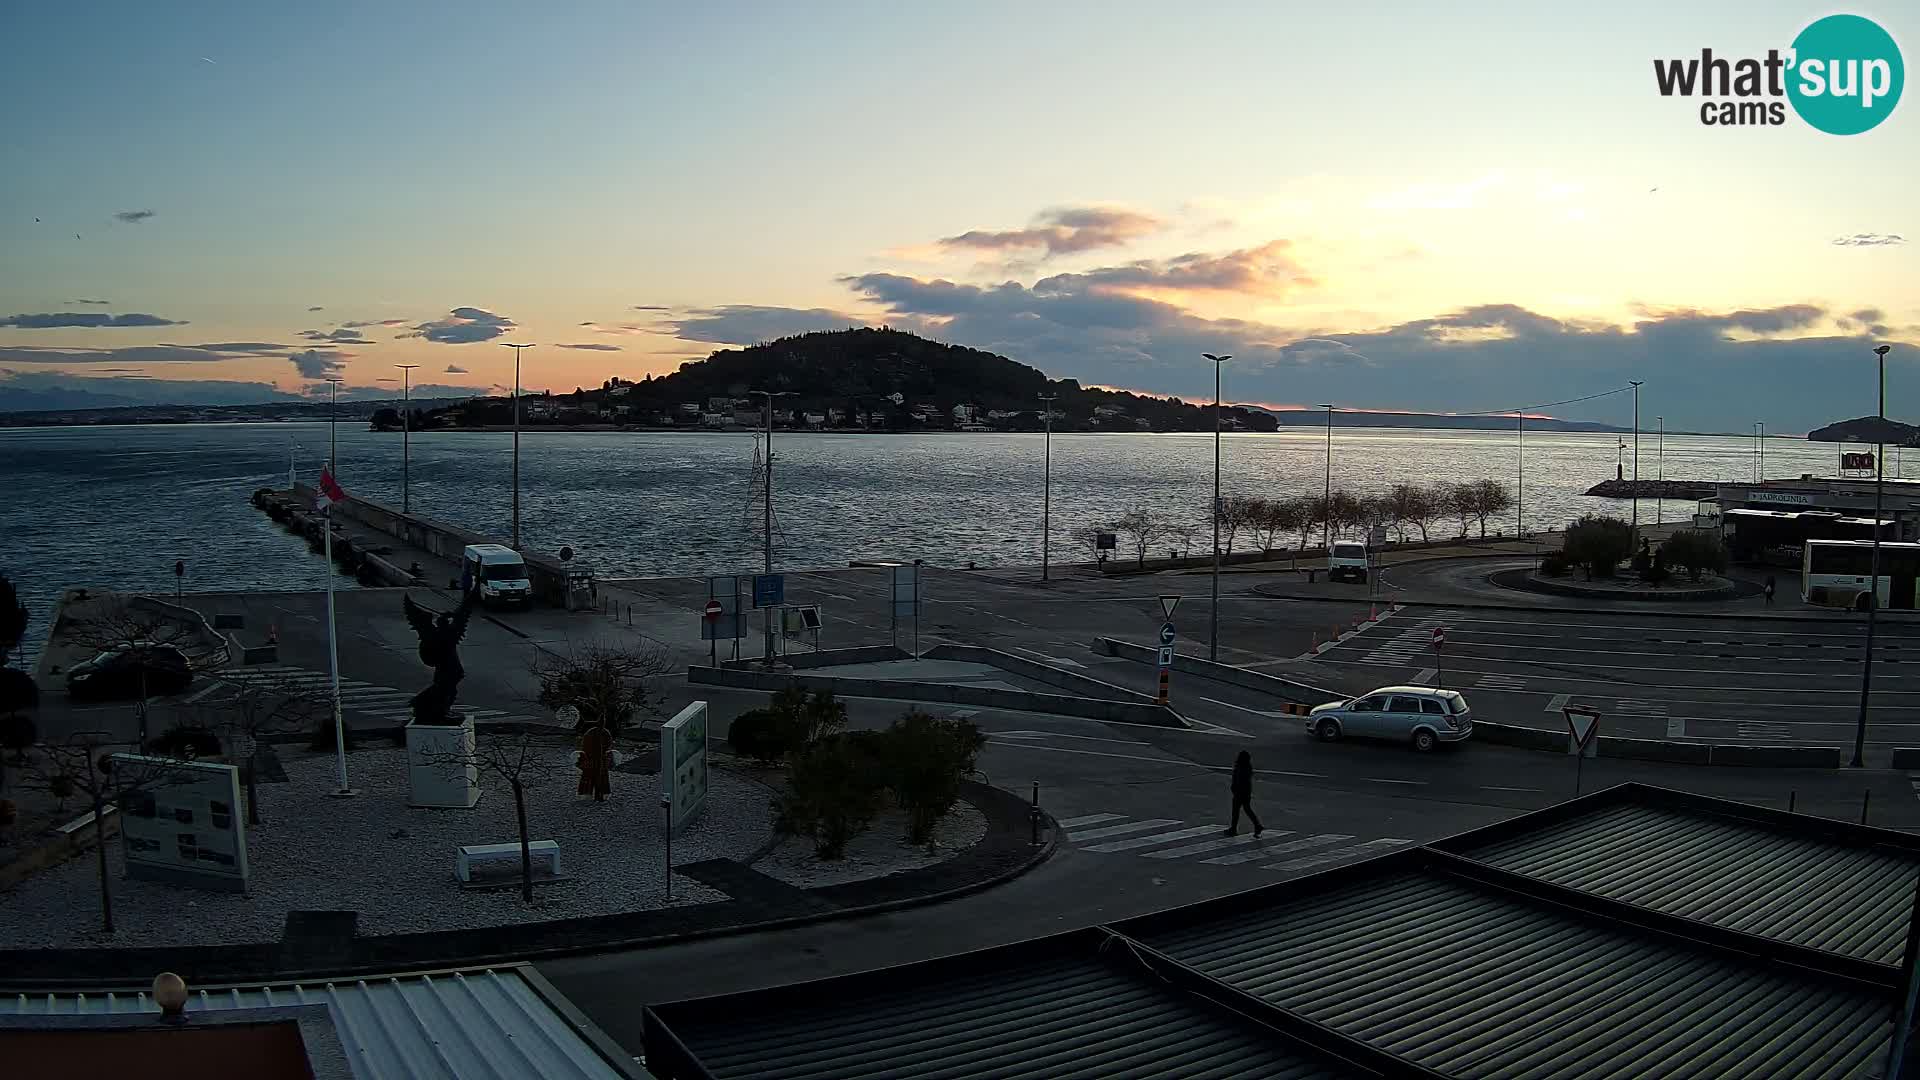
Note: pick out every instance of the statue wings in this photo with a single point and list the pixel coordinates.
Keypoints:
(421, 619)
(418, 617)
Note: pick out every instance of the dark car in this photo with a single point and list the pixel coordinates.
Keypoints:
(116, 673)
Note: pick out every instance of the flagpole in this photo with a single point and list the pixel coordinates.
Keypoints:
(333, 651)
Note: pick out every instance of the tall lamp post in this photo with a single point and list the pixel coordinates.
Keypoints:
(1762, 425)
(1046, 488)
(1873, 599)
(1213, 616)
(1660, 469)
(767, 512)
(333, 443)
(1636, 457)
(1326, 492)
(1519, 480)
(406, 431)
(517, 350)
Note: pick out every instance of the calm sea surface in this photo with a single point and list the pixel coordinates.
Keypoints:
(115, 506)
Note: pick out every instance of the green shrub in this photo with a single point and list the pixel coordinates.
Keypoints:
(759, 734)
(18, 691)
(923, 761)
(189, 741)
(1698, 551)
(1554, 565)
(832, 793)
(1598, 544)
(808, 718)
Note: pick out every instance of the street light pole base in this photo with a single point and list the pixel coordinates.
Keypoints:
(343, 793)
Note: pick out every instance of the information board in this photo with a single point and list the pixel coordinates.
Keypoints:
(184, 824)
(683, 763)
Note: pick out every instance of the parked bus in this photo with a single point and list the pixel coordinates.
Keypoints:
(1836, 572)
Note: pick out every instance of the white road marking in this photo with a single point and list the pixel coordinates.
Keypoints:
(1157, 838)
(1088, 819)
(1491, 787)
(1337, 854)
(1121, 830)
(1247, 838)
(1557, 702)
(1385, 780)
(1260, 851)
(1424, 674)
(1676, 727)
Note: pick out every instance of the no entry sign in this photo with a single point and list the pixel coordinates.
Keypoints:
(1439, 636)
(713, 611)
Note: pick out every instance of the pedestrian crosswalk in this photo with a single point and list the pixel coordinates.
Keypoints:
(1413, 644)
(1500, 682)
(1169, 838)
(381, 702)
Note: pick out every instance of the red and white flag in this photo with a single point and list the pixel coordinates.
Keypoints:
(330, 491)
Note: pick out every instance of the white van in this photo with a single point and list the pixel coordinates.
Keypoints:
(496, 575)
(1347, 559)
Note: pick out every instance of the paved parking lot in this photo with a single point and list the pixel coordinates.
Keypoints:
(1662, 676)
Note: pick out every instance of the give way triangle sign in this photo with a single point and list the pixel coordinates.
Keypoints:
(1583, 725)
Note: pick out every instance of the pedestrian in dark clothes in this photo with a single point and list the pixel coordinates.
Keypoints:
(1243, 794)
(1769, 590)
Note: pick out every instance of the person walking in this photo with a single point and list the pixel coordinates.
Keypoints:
(1243, 794)
(1768, 590)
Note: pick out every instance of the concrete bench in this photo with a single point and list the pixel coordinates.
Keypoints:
(490, 861)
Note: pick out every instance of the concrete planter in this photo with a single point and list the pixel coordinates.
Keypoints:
(430, 780)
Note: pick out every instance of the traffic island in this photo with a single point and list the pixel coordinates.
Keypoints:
(1708, 589)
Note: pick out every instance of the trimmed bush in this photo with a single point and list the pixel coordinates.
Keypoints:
(1554, 566)
(831, 796)
(1598, 544)
(1699, 552)
(924, 760)
(760, 735)
(187, 741)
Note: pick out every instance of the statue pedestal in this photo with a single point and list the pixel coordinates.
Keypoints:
(432, 779)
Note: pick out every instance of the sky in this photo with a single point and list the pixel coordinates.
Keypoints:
(1383, 206)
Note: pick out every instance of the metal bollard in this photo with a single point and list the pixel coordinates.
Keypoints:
(1033, 817)
(1790, 798)
(1865, 798)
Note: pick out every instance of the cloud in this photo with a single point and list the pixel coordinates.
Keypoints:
(90, 302)
(375, 322)
(138, 354)
(344, 337)
(1062, 230)
(455, 369)
(624, 329)
(1266, 270)
(133, 217)
(593, 347)
(1869, 239)
(1867, 320)
(316, 308)
(750, 324)
(463, 326)
(650, 307)
(48, 320)
(318, 364)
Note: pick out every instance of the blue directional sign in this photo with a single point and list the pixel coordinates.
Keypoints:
(769, 590)
(1166, 633)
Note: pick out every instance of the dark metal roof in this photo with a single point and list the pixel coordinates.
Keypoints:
(1745, 874)
(1046, 1011)
(1474, 981)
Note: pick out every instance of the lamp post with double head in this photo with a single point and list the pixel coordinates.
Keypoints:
(1046, 488)
(1326, 491)
(1636, 458)
(1213, 635)
(517, 350)
(406, 432)
(1873, 586)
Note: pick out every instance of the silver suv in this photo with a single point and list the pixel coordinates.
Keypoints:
(1422, 715)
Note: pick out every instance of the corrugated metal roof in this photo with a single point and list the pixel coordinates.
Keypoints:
(1475, 982)
(1062, 1014)
(462, 1025)
(1808, 890)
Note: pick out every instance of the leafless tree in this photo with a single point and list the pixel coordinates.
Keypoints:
(1266, 523)
(1089, 537)
(116, 622)
(1141, 527)
(1238, 513)
(521, 760)
(1411, 504)
(251, 705)
(612, 685)
(1486, 498)
(1184, 532)
(1344, 509)
(84, 764)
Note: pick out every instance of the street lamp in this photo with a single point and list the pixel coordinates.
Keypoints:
(1046, 496)
(1213, 634)
(1326, 494)
(1519, 481)
(1636, 456)
(333, 443)
(1873, 598)
(517, 350)
(768, 511)
(406, 429)
(1659, 504)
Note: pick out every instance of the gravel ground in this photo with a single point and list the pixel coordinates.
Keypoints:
(879, 851)
(315, 852)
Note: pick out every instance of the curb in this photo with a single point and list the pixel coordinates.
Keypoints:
(1640, 612)
(179, 958)
(1547, 740)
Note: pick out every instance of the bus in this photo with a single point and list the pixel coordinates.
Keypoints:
(1836, 572)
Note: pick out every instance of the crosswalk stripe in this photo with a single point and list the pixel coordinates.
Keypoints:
(1258, 852)
(1335, 855)
(1206, 845)
(1281, 849)
(1120, 830)
(1158, 838)
(1089, 819)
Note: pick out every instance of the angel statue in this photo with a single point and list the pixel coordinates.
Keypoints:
(440, 636)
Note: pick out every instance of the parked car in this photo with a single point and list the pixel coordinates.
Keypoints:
(116, 673)
(1347, 560)
(1422, 715)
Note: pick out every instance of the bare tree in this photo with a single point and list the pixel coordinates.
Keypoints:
(1238, 513)
(519, 759)
(118, 623)
(1488, 497)
(253, 705)
(611, 685)
(1344, 509)
(1089, 537)
(1411, 504)
(1459, 503)
(1142, 527)
(83, 764)
(1184, 532)
(1269, 520)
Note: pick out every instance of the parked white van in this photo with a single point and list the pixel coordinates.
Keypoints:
(496, 575)
(1348, 559)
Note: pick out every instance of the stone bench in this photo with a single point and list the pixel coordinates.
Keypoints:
(489, 862)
